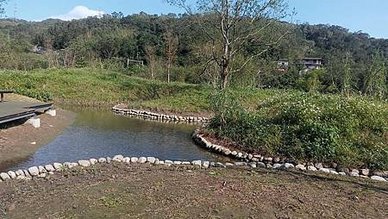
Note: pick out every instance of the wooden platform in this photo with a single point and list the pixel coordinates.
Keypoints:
(16, 110)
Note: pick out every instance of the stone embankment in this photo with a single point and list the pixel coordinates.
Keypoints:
(257, 160)
(159, 117)
(50, 169)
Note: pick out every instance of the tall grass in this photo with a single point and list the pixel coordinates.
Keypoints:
(311, 127)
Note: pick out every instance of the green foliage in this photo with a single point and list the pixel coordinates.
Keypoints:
(314, 127)
(101, 87)
(311, 80)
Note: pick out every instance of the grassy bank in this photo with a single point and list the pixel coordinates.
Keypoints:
(95, 87)
(311, 127)
(101, 87)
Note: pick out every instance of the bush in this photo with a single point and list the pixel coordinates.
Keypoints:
(313, 127)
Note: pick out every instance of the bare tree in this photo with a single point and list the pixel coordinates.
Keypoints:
(2, 10)
(236, 25)
(150, 52)
(171, 44)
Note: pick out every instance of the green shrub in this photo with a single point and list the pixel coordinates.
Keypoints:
(314, 127)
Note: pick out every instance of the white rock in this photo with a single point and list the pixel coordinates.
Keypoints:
(319, 165)
(49, 168)
(58, 166)
(325, 170)
(196, 163)
(206, 164)
(42, 169)
(22, 178)
(334, 172)
(177, 162)
(84, 163)
(19, 173)
(102, 160)
(312, 168)
(289, 166)
(4, 176)
(34, 171)
(277, 166)
(240, 164)
(261, 165)
(26, 173)
(161, 162)
(118, 158)
(42, 175)
(134, 159)
(342, 173)
(168, 162)
(219, 164)
(355, 174)
(186, 163)
(142, 160)
(12, 174)
(229, 164)
(151, 159)
(300, 167)
(73, 165)
(378, 178)
(253, 165)
(127, 160)
(365, 172)
(93, 161)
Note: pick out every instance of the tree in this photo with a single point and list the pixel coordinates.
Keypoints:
(375, 83)
(171, 48)
(2, 10)
(150, 52)
(234, 26)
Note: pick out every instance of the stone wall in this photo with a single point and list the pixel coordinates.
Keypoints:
(50, 169)
(258, 160)
(159, 117)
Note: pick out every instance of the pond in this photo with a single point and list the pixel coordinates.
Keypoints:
(96, 134)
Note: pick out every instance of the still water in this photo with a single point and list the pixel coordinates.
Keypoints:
(96, 134)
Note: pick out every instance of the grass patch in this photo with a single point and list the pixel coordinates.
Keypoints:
(91, 87)
(313, 127)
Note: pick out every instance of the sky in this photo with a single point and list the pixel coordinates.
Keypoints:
(369, 16)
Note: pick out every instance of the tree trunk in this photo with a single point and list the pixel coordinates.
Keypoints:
(168, 72)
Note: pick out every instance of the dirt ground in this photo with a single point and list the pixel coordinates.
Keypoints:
(134, 191)
(18, 141)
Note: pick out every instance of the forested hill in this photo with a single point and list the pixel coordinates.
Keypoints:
(115, 40)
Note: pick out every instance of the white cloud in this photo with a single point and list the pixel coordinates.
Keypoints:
(79, 12)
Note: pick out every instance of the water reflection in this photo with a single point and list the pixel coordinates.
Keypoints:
(101, 134)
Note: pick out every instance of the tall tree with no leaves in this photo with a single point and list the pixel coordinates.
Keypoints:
(150, 52)
(237, 25)
(171, 49)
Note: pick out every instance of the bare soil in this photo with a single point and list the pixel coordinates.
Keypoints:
(143, 191)
(18, 140)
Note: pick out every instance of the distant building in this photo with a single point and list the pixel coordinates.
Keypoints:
(38, 49)
(312, 63)
(283, 65)
(305, 64)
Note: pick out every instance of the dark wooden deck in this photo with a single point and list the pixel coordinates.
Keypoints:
(15, 110)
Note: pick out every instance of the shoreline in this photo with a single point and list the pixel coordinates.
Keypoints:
(15, 149)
